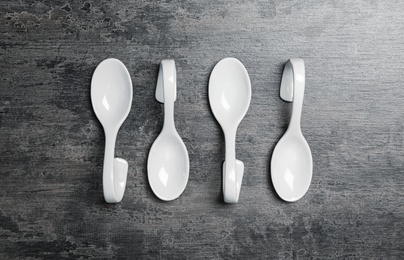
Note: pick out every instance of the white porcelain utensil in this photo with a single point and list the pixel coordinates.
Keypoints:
(292, 164)
(229, 98)
(111, 96)
(168, 162)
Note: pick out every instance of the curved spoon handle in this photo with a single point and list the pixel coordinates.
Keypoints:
(292, 89)
(166, 91)
(233, 170)
(231, 195)
(115, 170)
(168, 66)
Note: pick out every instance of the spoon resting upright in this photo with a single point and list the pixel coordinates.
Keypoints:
(111, 97)
(168, 162)
(292, 163)
(229, 98)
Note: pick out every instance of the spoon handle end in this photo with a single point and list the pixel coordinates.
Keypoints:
(232, 195)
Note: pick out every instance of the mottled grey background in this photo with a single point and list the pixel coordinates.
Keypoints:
(51, 144)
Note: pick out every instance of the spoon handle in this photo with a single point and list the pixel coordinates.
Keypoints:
(115, 170)
(168, 83)
(296, 71)
(230, 173)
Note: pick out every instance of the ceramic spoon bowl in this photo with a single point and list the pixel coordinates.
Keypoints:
(229, 92)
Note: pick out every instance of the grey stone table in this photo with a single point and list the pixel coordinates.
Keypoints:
(51, 144)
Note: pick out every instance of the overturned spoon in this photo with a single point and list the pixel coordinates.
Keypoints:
(168, 162)
(292, 163)
(111, 96)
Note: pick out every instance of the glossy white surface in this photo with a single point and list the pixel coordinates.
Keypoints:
(291, 163)
(111, 97)
(168, 162)
(229, 98)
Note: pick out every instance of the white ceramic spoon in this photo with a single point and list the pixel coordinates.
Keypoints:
(292, 164)
(168, 162)
(229, 98)
(111, 96)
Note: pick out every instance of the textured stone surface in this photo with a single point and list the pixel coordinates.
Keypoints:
(51, 144)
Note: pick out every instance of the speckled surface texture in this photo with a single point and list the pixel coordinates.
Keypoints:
(51, 143)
